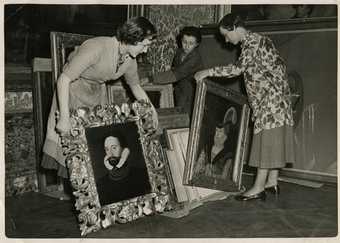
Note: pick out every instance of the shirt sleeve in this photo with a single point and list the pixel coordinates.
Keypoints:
(85, 56)
(236, 69)
(179, 71)
(131, 74)
(189, 66)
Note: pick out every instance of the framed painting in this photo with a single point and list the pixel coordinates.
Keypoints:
(115, 166)
(161, 96)
(42, 100)
(177, 140)
(62, 44)
(217, 140)
(177, 143)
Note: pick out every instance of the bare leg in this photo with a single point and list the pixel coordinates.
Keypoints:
(273, 176)
(260, 181)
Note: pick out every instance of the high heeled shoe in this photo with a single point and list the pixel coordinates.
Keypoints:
(273, 189)
(260, 195)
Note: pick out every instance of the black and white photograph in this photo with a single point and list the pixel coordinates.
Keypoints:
(188, 120)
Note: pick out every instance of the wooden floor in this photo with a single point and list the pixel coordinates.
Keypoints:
(299, 212)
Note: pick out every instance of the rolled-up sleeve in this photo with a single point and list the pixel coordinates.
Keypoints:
(131, 74)
(85, 56)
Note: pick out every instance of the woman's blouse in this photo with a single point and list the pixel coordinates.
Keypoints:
(265, 79)
(93, 63)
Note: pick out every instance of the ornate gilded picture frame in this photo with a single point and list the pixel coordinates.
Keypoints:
(217, 140)
(95, 173)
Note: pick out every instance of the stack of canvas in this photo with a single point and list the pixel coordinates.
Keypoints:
(177, 140)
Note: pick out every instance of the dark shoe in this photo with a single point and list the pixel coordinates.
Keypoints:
(260, 195)
(273, 189)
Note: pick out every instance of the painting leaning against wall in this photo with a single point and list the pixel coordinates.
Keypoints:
(218, 137)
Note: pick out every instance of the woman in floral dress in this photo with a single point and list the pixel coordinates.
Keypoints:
(266, 83)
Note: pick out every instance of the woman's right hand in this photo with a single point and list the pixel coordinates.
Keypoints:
(63, 126)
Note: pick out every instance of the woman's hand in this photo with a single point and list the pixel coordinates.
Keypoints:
(199, 76)
(144, 81)
(140, 94)
(63, 126)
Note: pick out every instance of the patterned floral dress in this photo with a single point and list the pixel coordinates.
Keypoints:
(266, 83)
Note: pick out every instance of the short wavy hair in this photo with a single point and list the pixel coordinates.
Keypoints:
(231, 21)
(191, 31)
(136, 30)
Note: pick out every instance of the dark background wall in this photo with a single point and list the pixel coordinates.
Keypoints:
(28, 26)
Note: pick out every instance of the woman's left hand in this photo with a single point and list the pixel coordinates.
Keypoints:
(199, 76)
(140, 94)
